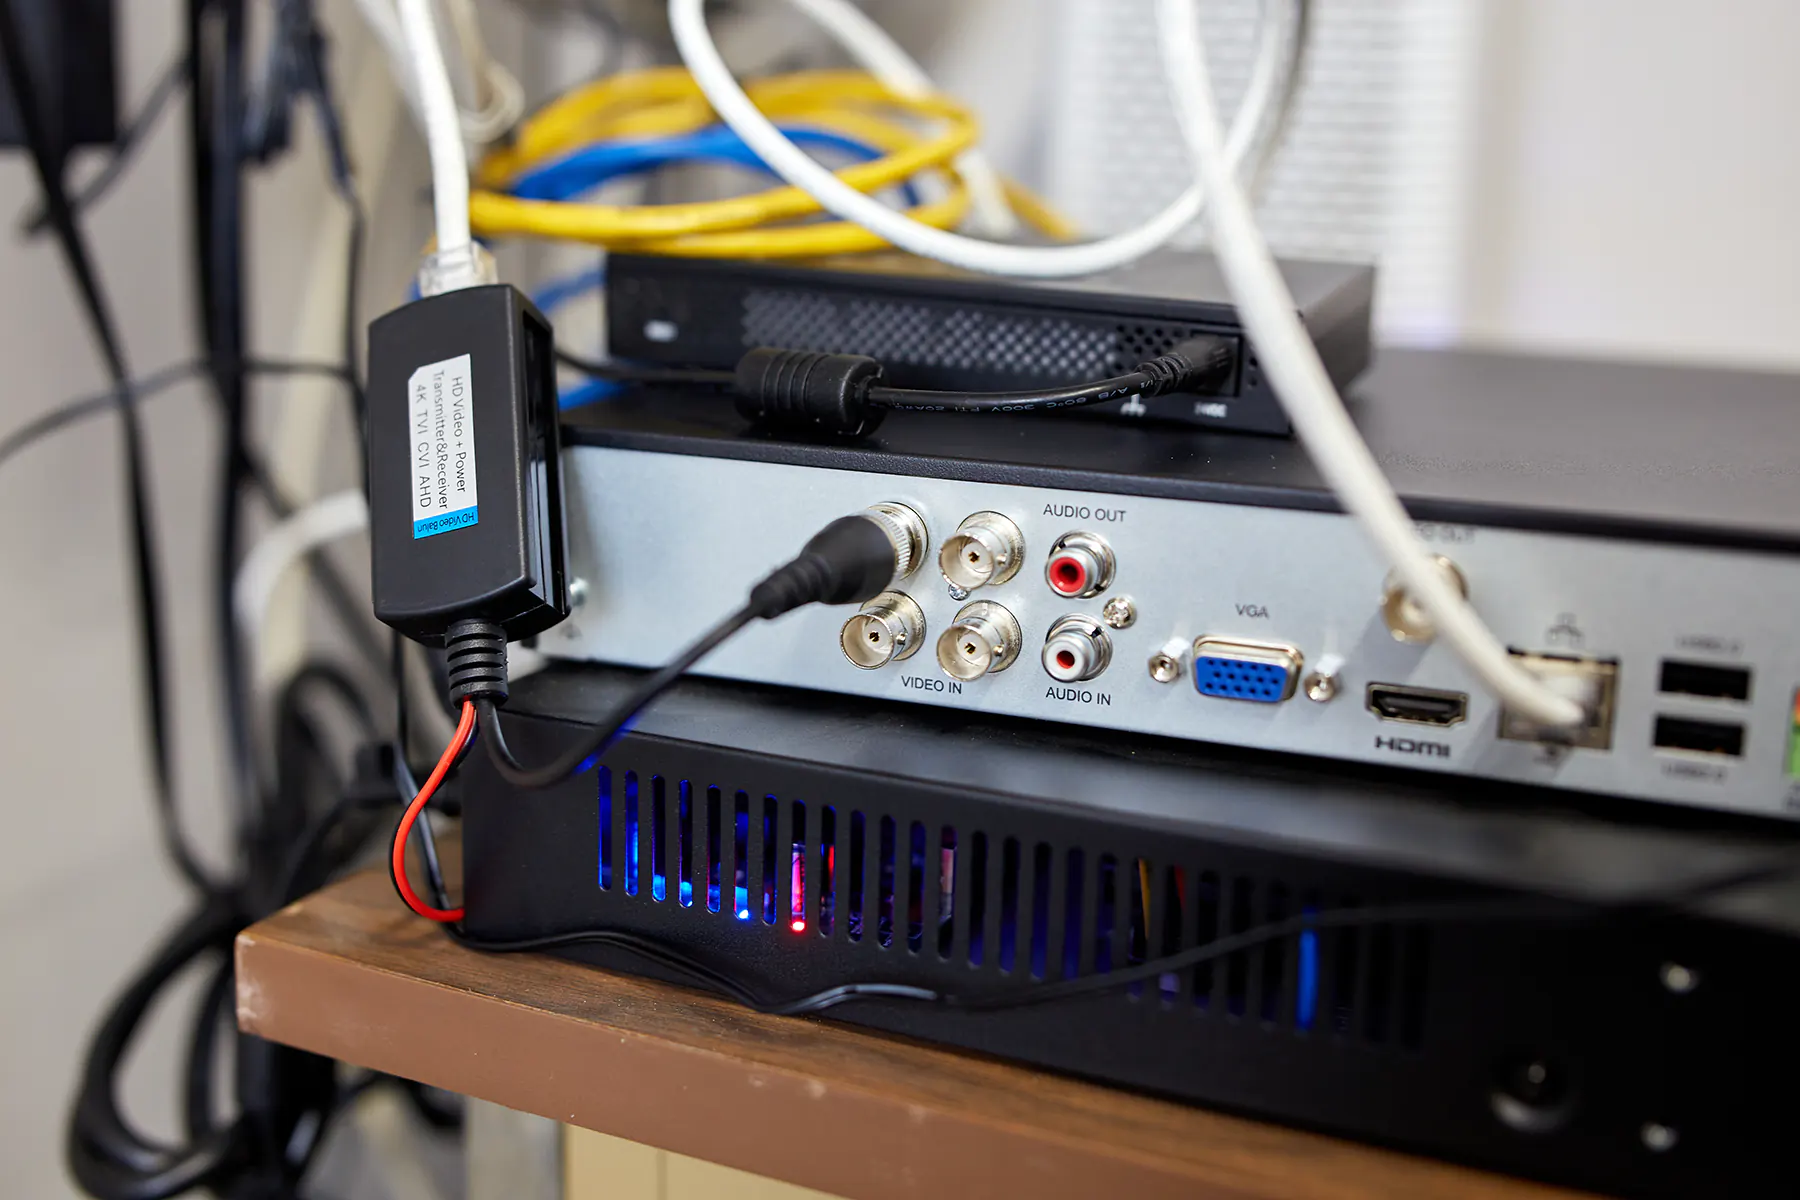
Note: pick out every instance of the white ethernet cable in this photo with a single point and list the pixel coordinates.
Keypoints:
(500, 98)
(869, 45)
(458, 261)
(384, 23)
(687, 19)
(320, 523)
(499, 94)
(1267, 311)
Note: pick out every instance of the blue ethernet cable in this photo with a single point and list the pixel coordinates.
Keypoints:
(590, 167)
(583, 170)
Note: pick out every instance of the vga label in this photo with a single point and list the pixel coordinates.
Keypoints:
(441, 396)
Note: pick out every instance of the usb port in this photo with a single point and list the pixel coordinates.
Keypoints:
(1699, 737)
(1704, 679)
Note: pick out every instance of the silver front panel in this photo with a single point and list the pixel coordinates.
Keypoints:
(665, 544)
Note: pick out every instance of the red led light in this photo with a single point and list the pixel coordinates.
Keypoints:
(798, 926)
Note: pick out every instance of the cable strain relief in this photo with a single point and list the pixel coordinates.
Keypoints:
(850, 560)
(807, 391)
(1201, 364)
(798, 582)
(475, 652)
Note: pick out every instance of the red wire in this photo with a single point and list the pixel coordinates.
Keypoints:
(465, 729)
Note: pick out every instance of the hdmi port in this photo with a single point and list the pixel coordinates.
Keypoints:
(1417, 706)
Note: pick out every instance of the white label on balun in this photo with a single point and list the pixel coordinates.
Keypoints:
(442, 398)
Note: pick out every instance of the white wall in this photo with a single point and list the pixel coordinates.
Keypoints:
(1639, 179)
(1612, 177)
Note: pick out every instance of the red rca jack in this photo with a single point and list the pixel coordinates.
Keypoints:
(1081, 565)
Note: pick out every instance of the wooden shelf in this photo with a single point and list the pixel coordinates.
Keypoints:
(348, 973)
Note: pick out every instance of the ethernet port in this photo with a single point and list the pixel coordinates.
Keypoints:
(1590, 682)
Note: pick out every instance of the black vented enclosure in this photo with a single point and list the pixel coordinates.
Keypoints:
(797, 846)
(935, 327)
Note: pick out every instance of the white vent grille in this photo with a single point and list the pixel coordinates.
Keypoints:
(1374, 160)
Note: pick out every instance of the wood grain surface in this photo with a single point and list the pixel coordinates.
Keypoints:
(349, 973)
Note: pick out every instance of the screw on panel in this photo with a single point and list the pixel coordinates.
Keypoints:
(1164, 667)
(1320, 687)
(1679, 979)
(1119, 612)
(1658, 1138)
(578, 592)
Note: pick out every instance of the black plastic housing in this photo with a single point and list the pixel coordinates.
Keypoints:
(797, 843)
(939, 328)
(73, 47)
(502, 557)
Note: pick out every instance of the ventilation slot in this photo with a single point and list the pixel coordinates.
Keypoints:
(827, 910)
(740, 856)
(854, 924)
(604, 783)
(884, 891)
(947, 891)
(1001, 905)
(1007, 936)
(631, 833)
(1103, 917)
(1206, 931)
(978, 901)
(934, 336)
(796, 875)
(1043, 881)
(684, 867)
(915, 888)
(714, 852)
(1174, 903)
(1137, 884)
(659, 843)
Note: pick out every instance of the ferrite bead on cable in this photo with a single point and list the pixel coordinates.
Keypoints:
(808, 391)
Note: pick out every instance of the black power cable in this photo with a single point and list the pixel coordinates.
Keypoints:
(624, 372)
(601, 737)
(218, 99)
(284, 1099)
(73, 412)
(48, 163)
(814, 392)
(131, 139)
(351, 609)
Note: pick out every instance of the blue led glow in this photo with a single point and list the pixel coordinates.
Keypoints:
(632, 878)
(743, 904)
(687, 893)
(604, 786)
(1306, 999)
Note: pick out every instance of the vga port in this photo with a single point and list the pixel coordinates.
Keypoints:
(1231, 669)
